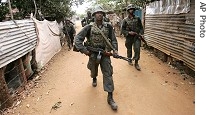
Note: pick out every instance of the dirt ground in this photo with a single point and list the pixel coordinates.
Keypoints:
(64, 87)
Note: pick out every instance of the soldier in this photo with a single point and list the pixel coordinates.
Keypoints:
(70, 32)
(93, 32)
(106, 18)
(85, 21)
(131, 29)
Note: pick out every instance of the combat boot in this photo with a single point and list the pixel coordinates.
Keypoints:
(94, 83)
(130, 62)
(111, 101)
(137, 65)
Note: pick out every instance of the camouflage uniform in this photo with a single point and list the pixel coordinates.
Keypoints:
(87, 20)
(96, 40)
(134, 25)
(69, 31)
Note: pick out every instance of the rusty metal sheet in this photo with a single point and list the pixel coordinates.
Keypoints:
(17, 38)
(173, 34)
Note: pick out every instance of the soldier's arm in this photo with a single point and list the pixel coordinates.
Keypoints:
(73, 30)
(124, 30)
(80, 37)
(112, 37)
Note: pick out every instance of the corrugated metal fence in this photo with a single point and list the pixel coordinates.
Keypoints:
(17, 38)
(173, 34)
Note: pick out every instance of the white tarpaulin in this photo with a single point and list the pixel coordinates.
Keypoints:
(48, 41)
(168, 7)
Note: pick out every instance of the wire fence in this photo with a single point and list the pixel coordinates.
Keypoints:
(15, 76)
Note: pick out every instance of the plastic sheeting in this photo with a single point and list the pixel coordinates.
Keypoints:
(48, 41)
(168, 7)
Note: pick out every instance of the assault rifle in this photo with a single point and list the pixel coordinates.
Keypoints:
(103, 52)
(141, 37)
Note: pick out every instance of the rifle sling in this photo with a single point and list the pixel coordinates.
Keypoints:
(107, 41)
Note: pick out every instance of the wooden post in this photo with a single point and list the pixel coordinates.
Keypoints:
(22, 71)
(5, 98)
(27, 65)
(33, 61)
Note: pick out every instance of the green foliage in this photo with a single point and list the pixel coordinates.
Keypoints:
(57, 9)
(25, 7)
(49, 9)
(119, 5)
(3, 11)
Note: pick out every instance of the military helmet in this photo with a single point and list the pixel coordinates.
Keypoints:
(88, 12)
(98, 9)
(130, 6)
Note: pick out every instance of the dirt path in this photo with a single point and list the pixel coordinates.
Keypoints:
(156, 90)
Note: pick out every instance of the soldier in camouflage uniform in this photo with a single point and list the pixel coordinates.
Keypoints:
(96, 40)
(87, 20)
(69, 32)
(131, 27)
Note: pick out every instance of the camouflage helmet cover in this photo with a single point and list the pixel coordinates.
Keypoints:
(130, 6)
(98, 9)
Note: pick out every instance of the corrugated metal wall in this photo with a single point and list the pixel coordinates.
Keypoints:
(173, 34)
(16, 40)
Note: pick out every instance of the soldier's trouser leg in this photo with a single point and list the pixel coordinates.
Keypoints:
(136, 57)
(107, 71)
(69, 42)
(93, 67)
(128, 45)
(137, 44)
(72, 39)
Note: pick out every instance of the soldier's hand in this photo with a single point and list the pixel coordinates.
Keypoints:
(108, 53)
(115, 54)
(142, 36)
(132, 33)
(86, 52)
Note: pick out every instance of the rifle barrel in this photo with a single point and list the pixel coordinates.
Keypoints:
(104, 52)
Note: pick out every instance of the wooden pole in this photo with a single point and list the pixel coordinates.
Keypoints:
(10, 9)
(22, 71)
